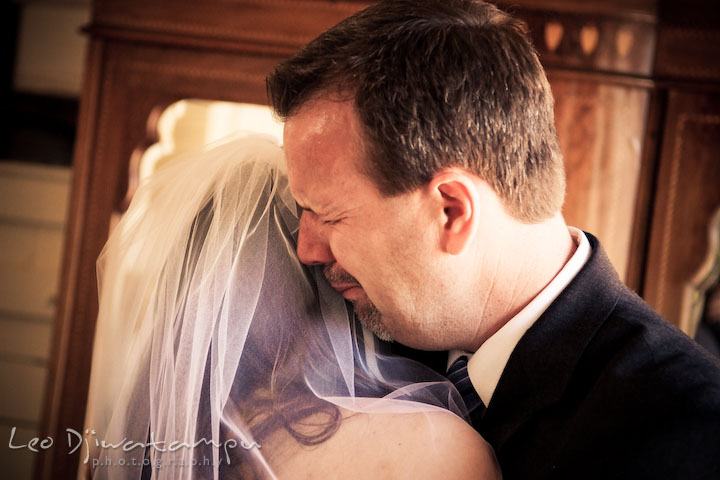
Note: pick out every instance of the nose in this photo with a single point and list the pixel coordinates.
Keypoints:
(313, 247)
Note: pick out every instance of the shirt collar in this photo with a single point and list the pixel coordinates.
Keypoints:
(486, 365)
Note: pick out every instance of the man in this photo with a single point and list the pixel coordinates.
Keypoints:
(421, 147)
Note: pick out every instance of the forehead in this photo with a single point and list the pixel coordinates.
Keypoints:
(324, 150)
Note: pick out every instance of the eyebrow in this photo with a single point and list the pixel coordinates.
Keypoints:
(304, 208)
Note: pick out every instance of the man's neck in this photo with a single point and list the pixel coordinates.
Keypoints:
(533, 255)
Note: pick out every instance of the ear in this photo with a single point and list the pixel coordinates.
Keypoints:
(459, 198)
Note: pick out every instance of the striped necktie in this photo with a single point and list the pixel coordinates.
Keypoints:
(458, 375)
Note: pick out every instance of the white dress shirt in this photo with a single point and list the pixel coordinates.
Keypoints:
(486, 365)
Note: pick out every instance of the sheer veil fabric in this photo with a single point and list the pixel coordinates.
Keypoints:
(217, 353)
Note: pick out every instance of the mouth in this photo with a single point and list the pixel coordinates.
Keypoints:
(350, 291)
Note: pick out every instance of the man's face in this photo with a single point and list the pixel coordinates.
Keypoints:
(371, 246)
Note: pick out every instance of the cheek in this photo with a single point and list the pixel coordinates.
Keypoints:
(358, 252)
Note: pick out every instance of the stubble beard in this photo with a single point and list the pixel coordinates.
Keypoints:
(371, 318)
(365, 311)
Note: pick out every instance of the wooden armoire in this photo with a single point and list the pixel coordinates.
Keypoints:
(637, 89)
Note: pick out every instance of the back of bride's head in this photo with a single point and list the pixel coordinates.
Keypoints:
(217, 351)
(202, 296)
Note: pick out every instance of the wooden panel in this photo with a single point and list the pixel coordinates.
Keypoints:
(601, 129)
(688, 194)
(688, 44)
(687, 52)
(275, 26)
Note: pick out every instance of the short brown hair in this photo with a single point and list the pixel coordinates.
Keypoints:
(438, 84)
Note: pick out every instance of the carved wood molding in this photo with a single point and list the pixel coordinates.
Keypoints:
(641, 10)
(160, 32)
(603, 39)
(275, 26)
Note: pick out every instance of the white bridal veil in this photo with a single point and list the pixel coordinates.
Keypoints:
(217, 352)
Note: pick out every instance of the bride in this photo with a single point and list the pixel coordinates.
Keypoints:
(219, 355)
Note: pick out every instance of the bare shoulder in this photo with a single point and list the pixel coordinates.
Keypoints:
(440, 444)
(435, 444)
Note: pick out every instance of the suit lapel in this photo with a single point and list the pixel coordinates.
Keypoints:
(544, 360)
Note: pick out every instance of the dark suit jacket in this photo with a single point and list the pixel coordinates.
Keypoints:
(601, 386)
